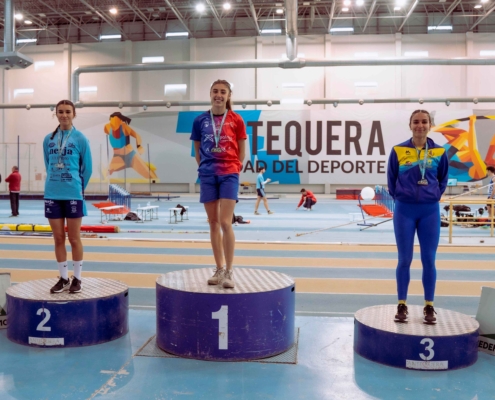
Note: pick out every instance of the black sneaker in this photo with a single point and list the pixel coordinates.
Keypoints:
(62, 284)
(75, 286)
(402, 313)
(429, 315)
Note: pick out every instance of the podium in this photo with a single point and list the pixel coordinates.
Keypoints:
(451, 343)
(207, 322)
(39, 318)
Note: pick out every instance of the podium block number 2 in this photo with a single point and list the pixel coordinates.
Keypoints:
(223, 327)
(41, 326)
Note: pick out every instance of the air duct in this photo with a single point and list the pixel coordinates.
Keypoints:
(291, 28)
(10, 58)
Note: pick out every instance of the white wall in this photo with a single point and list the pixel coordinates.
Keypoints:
(51, 84)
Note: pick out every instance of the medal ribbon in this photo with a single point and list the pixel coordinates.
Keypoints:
(219, 131)
(62, 143)
(422, 168)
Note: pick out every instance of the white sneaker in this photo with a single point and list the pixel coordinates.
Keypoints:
(217, 277)
(228, 280)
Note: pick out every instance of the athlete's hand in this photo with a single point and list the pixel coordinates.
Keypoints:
(268, 180)
(140, 149)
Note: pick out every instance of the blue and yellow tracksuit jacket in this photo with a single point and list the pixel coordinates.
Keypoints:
(403, 173)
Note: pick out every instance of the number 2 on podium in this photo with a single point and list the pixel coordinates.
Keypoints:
(41, 326)
(223, 326)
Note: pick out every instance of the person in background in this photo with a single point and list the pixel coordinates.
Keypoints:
(260, 189)
(308, 200)
(14, 180)
(490, 172)
(68, 166)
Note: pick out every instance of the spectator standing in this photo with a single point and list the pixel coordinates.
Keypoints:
(14, 180)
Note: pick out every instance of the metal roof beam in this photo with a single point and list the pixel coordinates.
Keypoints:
(409, 13)
(449, 11)
(105, 18)
(482, 18)
(255, 17)
(178, 15)
(143, 18)
(372, 10)
(332, 14)
(215, 14)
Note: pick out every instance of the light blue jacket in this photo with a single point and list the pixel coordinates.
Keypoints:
(67, 183)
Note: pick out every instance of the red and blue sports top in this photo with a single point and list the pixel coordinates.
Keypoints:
(224, 162)
(403, 173)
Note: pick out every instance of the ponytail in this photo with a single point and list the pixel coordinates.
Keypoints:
(54, 132)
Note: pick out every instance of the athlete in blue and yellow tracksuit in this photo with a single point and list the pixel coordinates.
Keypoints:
(417, 195)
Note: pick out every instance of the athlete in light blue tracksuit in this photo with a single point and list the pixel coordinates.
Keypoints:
(68, 166)
(260, 190)
(417, 175)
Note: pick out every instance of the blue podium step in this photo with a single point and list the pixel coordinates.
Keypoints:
(451, 343)
(38, 318)
(251, 321)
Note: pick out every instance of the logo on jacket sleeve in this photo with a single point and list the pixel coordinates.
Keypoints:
(52, 144)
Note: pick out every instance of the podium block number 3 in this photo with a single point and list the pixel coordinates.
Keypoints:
(428, 348)
(223, 327)
(41, 326)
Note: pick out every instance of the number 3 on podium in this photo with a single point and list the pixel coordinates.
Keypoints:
(429, 348)
(223, 326)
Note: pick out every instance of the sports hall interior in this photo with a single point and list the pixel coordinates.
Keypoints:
(388, 65)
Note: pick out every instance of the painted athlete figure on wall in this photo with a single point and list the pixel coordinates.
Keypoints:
(417, 174)
(124, 156)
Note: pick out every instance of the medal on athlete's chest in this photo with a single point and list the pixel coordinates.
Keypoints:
(422, 165)
(217, 132)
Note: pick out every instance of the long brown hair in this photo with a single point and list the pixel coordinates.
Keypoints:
(226, 83)
(65, 102)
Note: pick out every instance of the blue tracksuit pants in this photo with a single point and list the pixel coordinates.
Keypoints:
(425, 220)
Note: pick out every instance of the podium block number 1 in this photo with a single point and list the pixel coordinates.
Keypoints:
(223, 327)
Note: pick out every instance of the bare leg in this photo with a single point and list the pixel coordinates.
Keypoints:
(74, 233)
(226, 210)
(265, 202)
(213, 211)
(58, 229)
(257, 204)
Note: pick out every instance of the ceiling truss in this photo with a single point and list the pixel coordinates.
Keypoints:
(82, 21)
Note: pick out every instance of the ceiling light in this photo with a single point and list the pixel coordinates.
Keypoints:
(478, 6)
(95, 17)
(360, 2)
(264, 31)
(155, 59)
(108, 37)
(227, 6)
(396, 8)
(279, 11)
(28, 22)
(441, 28)
(400, 2)
(150, 9)
(42, 15)
(200, 7)
(113, 11)
(347, 3)
(161, 9)
(484, 1)
(19, 17)
(345, 9)
(173, 34)
(350, 29)
(156, 15)
(487, 53)
(26, 40)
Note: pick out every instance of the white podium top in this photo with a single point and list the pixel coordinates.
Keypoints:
(92, 288)
(246, 281)
(449, 323)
